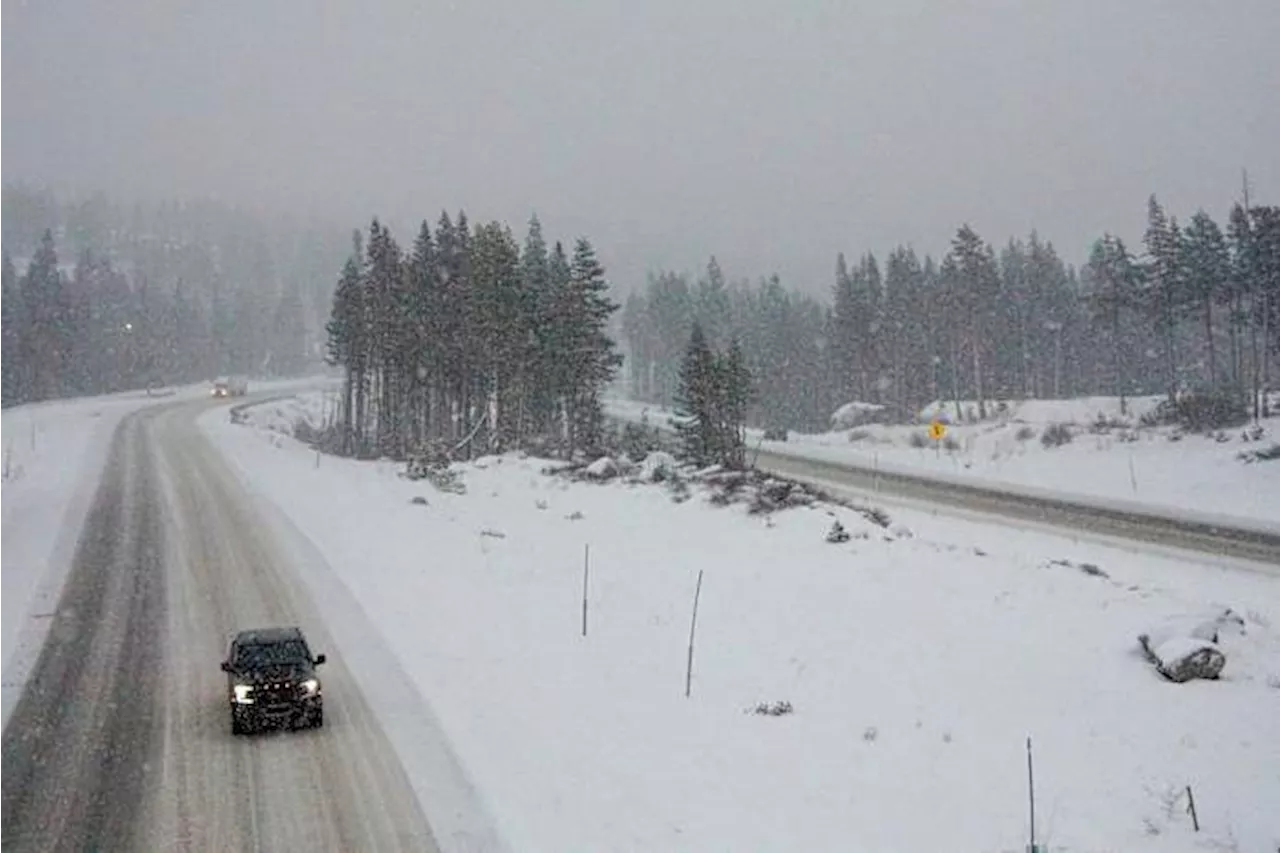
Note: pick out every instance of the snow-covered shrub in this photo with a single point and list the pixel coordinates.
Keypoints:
(775, 709)
(1203, 410)
(1056, 435)
(1088, 568)
(858, 435)
(776, 433)
(1253, 432)
(837, 533)
(657, 467)
(638, 440)
(1025, 433)
(1266, 454)
(918, 440)
(1105, 423)
(435, 470)
(950, 445)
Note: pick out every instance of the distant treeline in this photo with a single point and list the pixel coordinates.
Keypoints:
(469, 342)
(1198, 308)
(100, 297)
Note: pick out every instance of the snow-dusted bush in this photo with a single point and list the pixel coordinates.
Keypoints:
(775, 709)
(1025, 433)
(638, 440)
(1266, 454)
(1056, 435)
(1203, 410)
(434, 468)
(657, 467)
(918, 440)
(837, 534)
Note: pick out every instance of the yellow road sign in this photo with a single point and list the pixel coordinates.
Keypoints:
(937, 430)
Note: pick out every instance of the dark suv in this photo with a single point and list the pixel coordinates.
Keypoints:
(271, 680)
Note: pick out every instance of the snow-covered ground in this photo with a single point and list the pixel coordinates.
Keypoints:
(52, 455)
(1193, 475)
(917, 660)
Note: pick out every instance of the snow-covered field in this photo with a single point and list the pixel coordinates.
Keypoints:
(1194, 475)
(52, 455)
(917, 660)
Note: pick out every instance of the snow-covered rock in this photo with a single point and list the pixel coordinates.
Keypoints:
(657, 466)
(1187, 647)
(604, 468)
(1184, 658)
(855, 414)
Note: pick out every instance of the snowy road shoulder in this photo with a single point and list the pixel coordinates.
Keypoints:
(915, 660)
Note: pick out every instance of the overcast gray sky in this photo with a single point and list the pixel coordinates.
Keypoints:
(773, 134)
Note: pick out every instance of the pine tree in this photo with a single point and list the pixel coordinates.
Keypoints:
(1265, 263)
(1114, 282)
(46, 341)
(13, 327)
(425, 345)
(695, 421)
(591, 361)
(1165, 281)
(348, 346)
(974, 287)
(1208, 269)
(711, 305)
(735, 390)
(1240, 287)
(541, 298)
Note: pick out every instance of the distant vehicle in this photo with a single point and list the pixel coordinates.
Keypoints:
(233, 386)
(271, 681)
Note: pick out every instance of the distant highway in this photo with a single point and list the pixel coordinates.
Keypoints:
(1202, 536)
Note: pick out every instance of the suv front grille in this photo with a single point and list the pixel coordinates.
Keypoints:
(276, 693)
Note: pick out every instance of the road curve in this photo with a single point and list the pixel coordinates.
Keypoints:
(120, 740)
(1188, 534)
(1201, 536)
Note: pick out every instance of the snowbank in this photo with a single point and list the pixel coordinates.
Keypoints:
(912, 663)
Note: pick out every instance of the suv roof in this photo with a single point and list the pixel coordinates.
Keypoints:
(263, 636)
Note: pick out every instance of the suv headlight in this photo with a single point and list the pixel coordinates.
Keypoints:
(244, 693)
(310, 687)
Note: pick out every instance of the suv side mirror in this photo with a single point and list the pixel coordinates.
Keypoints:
(226, 666)
(319, 659)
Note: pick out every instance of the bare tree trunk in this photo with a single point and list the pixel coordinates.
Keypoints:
(1257, 356)
(977, 377)
(1266, 349)
(955, 378)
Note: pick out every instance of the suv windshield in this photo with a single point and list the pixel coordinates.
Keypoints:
(271, 654)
